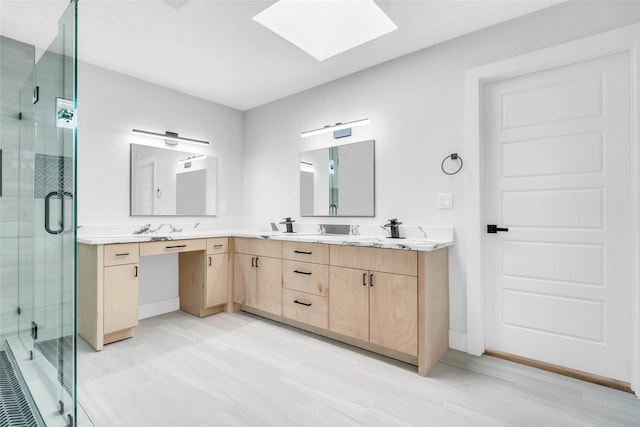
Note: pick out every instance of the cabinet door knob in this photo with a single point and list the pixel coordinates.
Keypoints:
(209, 261)
(257, 262)
(371, 280)
(136, 271)
(253, 262)
(364, 279)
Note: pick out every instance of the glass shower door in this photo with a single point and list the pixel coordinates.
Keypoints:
(47, 293)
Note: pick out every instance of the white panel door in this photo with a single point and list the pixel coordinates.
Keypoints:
(144, 199)
(558, 176)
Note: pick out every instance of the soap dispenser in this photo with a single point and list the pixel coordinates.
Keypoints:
(395, 229)
(289, 224)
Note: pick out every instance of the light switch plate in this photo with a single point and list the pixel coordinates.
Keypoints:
(444, 201)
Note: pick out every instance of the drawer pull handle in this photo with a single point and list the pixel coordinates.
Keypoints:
(217, 246)
(302, 272)
(306, 304)
(123, 254)
(364, 279)
(176, 246)
(302, 252)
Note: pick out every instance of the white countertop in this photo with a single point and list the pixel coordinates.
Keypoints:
(415, 244)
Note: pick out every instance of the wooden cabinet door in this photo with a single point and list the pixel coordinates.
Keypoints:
(120, 297)
(349, 302)
(244, 279)
(216, 290)
(269, 285)
(393, 311)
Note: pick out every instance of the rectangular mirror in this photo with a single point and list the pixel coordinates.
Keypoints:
(170, 182)
(338, 181)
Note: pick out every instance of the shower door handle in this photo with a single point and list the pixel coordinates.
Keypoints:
(47, 212)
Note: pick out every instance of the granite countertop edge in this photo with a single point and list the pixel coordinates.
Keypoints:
(347, 240)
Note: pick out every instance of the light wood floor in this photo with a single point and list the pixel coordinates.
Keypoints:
(241, 370)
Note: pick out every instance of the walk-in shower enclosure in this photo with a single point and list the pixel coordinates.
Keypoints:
(37, 227)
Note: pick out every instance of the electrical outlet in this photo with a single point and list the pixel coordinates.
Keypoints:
(444, 201)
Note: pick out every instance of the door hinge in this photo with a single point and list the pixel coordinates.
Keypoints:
(34, 330)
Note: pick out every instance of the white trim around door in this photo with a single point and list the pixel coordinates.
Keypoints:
(625, 39)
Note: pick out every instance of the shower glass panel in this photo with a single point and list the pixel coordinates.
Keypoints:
(44, 343)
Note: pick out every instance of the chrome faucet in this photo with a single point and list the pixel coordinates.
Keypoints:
(146, 229)
(143, 230)
(174, 229)
(394, 226)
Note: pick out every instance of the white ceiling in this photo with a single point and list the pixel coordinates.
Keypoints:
(214, 50)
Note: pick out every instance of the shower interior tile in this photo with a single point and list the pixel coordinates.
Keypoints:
(9, 216)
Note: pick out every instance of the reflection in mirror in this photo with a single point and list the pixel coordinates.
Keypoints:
(169, 182)
(338, 181)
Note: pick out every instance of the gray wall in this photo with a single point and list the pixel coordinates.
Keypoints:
(416, 107)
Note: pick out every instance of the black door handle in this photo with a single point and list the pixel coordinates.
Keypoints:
(47, 213)
(492, 228)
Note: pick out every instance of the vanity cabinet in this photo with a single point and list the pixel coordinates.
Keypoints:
(305, 283)
(108, 286)
(120, 290)
(257, 273)
(204, 281)
(380, 308)
(120, 298)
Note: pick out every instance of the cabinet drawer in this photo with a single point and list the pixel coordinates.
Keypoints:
(172, 246)
(218, 245)
(264, 247)
(121, 253)
(306, 277)
(306, 308)
(310, 252)
(385, 260)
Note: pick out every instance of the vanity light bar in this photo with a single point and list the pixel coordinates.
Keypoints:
(333, 128)
(168, 136)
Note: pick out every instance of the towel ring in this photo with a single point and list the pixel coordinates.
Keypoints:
(452, 156)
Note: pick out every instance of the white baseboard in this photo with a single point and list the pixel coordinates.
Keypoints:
(158, 307)
(458, 340)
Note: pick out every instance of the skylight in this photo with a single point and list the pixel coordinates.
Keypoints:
(325, 28)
